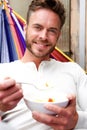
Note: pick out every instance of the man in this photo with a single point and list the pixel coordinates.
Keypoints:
(45, 19)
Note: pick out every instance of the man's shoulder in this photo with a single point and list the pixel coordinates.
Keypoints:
(9, 63)
(64, 63)
(68, 66)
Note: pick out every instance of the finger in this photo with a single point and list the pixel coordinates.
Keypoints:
(8, 106)
(53, 121)
(9, 91)
(14, 96)
(57, 123)
(72, 100)
(44, 118)
(40, 116)
(56, 109)
(5, 84)
(14, 103)
(63, 111)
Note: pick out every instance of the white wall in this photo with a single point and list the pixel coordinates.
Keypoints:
(20, 6)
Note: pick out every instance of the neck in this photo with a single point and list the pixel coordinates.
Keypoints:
(28, 57)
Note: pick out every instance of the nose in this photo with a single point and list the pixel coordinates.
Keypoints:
(43, 35)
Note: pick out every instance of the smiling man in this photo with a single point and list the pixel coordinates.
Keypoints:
(45, 19)
(42, 34)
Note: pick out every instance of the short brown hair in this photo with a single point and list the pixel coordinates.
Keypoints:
(54, 5)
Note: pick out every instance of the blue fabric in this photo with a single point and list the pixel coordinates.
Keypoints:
(19, 34)
(11, 45)
(4, 44)
(8, 50)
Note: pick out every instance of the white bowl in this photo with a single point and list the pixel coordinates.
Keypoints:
(37, 103)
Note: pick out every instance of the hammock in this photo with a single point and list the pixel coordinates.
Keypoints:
(12, 40)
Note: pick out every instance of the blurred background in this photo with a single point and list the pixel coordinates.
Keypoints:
(73, 41)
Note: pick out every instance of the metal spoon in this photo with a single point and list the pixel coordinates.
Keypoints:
(33, 85)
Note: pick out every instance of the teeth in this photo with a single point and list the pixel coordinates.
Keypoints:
(42, 45)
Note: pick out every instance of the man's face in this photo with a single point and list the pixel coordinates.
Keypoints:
(42, 32)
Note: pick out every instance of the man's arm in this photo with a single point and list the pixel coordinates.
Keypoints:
(10, 94)
(67, 117)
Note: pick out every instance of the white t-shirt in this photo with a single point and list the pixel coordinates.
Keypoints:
(67, 77)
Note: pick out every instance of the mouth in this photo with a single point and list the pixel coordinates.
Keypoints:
(41, 45)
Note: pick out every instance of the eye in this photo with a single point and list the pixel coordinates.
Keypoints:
(53, 31)
(37, 27)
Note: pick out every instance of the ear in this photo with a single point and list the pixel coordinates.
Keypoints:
(58, 35)
(25, 28)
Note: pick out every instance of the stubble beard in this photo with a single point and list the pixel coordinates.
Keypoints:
(28, 46)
